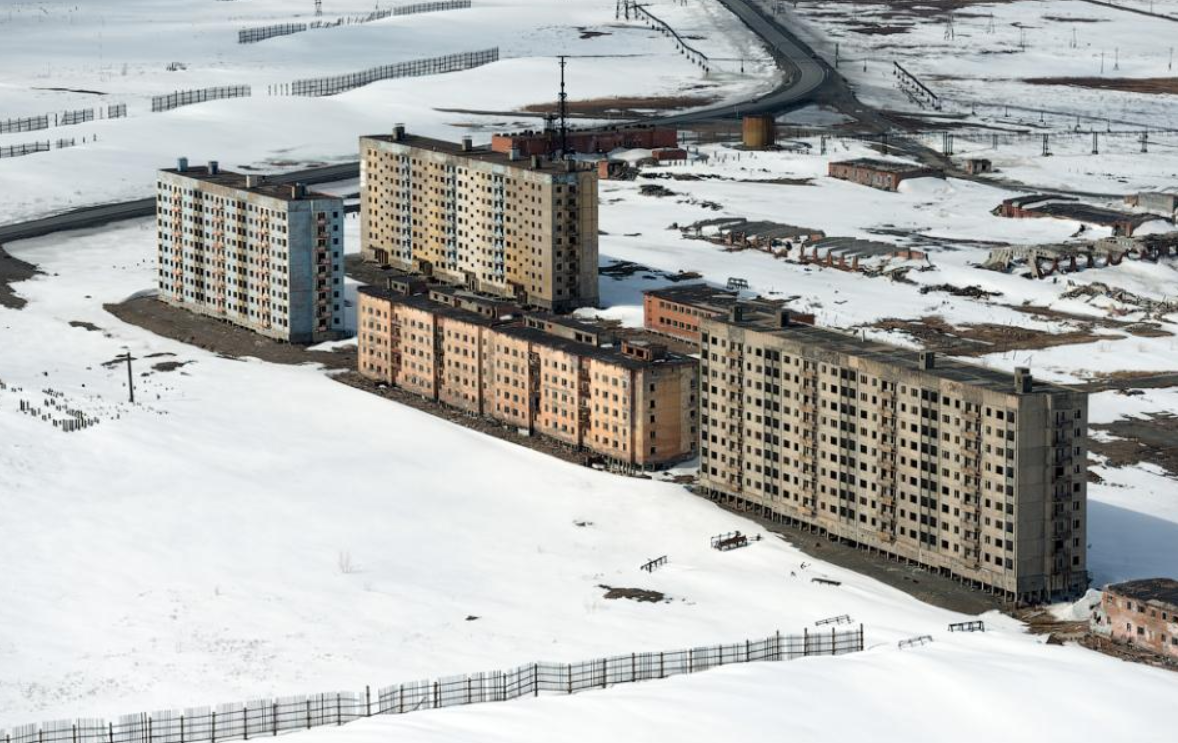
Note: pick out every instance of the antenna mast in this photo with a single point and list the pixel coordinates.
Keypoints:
(564, 111)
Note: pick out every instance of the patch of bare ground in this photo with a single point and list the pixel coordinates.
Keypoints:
(1138, 329)
(221, 337)
(634, 594)
(1066, 19)
(630, 105)
(936, 334)
(1152, 440)
(1131, 382)
(876, 29)
(13, 270)
(1147, 85)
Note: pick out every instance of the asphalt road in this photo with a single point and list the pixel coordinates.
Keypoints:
(93, 216)
(806, 78)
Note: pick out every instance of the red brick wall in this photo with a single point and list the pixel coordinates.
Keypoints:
(1151, 625)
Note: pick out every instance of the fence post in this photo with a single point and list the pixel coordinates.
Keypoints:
(535, 679)
(746, 651)
(570, 669)
(181, 728)
(112, 732)
(274, 718)
(401, 699)
(777, 643)
(661, 665)
(368, 701)
(468, 689)
(437, 695)
(633, 666)
(212, 728)
(604, 671)
(75, 733)
(338, 714)
(245, 723)
(805, 641)
(691, 660)
(833, 641)
(308, 713)
(150, 735)
(860, 636)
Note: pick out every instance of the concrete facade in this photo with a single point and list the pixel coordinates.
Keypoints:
(977, 474)
(591, 141)
(266, 257)
(519, 228)
(630, 402)
(1142, 613)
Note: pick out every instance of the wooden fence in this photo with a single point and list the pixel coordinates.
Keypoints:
(323, 86)
(269, 717)
(261, 33)
(189, 97)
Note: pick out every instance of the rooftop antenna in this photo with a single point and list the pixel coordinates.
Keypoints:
(564, 110)
(318, 7)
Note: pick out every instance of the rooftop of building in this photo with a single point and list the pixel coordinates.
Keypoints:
(262, 187)
(1164, 590)
(836, 341)
(482, 154)
(888, 166)
(712, 297)
(1089, 213)
(423, 302)
(516, 328)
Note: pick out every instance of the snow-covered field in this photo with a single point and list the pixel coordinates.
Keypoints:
(92, 42)
(250, 529)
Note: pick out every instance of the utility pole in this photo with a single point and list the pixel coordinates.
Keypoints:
(130, 376)
(318, 8)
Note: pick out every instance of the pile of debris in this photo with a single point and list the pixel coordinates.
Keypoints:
(1152, 308)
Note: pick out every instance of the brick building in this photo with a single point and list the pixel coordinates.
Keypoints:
(1052, 206)
(678, 310)
(263, 256)
(585, 141)
(524, 228)
(627, 400)
(972, 472)
(1142, 613)
(883, 174)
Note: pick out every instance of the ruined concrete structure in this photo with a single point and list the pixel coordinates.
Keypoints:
(524, 228)
(263, 256)
(1046, 260)
(1070, 208)
(972, 472)
(1161, 203)
(628, 401)
(882, 174)
(1142, 613)
(678, 310)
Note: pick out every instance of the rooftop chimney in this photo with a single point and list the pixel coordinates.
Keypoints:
(736, 313)
(928, 360)
(182, 165)
(1023, 381)
(214, 167)
(783, 318)
(398, 132)
(570, 165)
(253, 181)
(467, 144)
(298, 191)
(536, 162)
(514, 154)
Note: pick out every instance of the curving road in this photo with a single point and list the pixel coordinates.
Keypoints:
(806, 74)
(807, 77)
(94, 216)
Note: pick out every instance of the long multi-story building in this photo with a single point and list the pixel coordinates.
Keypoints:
(264, 256)
(631, 402)
(677, 310)
(494, 222)
(973, 472)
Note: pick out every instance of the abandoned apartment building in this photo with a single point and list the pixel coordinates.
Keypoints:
(975, 473)
(627, 400)
(264, 256)
(495, 222)
(886, 175)
(677, 311)
(1143, 613)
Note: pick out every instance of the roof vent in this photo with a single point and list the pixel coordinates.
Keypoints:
(182, 165)
(928, 360)
(467, 144)
(398, 132)
(1023, 381)
(736, 313)
(253, 181)
(298, 191)
(214, 167)
(783, 319)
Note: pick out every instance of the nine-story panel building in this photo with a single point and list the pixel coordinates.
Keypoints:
(490, 221)
(970, 471)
